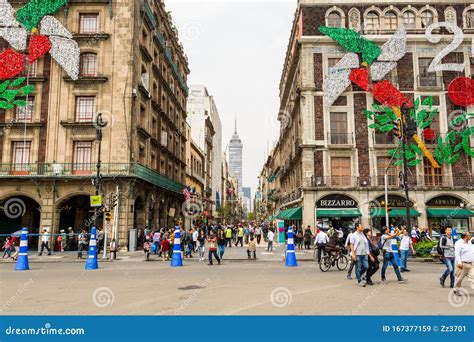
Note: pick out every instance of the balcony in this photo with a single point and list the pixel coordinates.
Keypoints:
(430, 81)
(341, 138)
(446, 181)
(393, 181)
(191, 173)
(335, 182)
(79, 171)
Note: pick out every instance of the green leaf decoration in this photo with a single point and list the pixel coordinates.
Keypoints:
(369, 114)
(410, 154)
(391, 114)
(352, 41)
(20, 103)
(398, 163)
(421, 116)
(4, 86)
(466, 141)
(26, 90)
(457, 120)
(387, 128)
(453, 159)
(377, 107)
(375, 126)
(458, 147)
(439, 155)
(383, 119)
(425, 124)
(451, 137)
(18, 81)
(416, 149)
(417, 103)
(4, 104)
(428, 101)
(413, 114)
(31, 14)
(414, 162)
(9, 94)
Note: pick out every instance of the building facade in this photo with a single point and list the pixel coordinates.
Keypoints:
(202, 110)
(133, 71)
(235, 158)
(328, 162)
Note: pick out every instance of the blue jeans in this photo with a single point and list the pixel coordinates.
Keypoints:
(403, 258)
(221, 250)
(389, 257)
(362, 265)
(270, 246)
(449, 262)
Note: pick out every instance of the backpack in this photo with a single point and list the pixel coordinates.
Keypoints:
(439, 250)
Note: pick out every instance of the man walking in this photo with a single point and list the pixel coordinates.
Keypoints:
(45, 242)
(406, 244)
(348, 247)
(320, 241)
(270, 237)
(388, 256)
(447, 247)
(360, 252)
(228, 236)
(195, 238)
(212, 243)
(240, 237)
(464, 252)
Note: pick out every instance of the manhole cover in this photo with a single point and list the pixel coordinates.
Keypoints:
(191, 287)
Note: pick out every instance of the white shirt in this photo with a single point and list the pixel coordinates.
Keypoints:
(340, 234)
(195, 235)
(360, 243)
(322, 237)
(45, 237)
(348, 240)
(464, 251)
(270, 235)
(405, 243)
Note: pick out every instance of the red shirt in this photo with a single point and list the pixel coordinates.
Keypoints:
(165, 245)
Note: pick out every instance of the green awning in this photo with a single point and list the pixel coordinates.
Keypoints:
(396, 212)
(338, 213)
(449, 212)
(291, 214)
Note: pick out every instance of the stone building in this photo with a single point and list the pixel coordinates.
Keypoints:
(133, 71)
(328, 165)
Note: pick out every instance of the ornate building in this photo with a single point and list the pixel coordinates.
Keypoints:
(133, 71)
(235, 158)
(328, 166)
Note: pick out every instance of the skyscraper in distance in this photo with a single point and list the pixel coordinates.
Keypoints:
(235, 157)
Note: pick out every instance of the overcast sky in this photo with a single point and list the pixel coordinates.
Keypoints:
(237, 49)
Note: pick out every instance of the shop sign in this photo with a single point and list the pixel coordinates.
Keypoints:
(394, 201)
(444, 201)
(336, 201)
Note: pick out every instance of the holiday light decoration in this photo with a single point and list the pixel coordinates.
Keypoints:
(461, 91)
(9, 90)
(338, 79)
(66, 52)
(50, 26)
(39, 46)
(31, 14)
(11, 63)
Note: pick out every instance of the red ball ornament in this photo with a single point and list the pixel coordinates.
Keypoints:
(429, 134)
(461, 91)
(388, 95)
(11, 63)
(39, 46)
(360, 77)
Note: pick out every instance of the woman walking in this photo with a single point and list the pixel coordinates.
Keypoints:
(221, 242)
(374, 252)
(202, 245)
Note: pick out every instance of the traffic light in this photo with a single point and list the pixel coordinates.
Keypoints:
(387, 207)
(397, 131)
(412, 128)
(108, 216)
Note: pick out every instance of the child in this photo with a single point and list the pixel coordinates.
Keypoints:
(113, 249)
(147, 248)
(165, 248)
(8, 247)
(252, 248)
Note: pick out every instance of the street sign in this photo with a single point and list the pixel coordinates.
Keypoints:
(96, 201)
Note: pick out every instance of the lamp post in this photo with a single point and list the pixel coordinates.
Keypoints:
(99, 125)
(405, 120)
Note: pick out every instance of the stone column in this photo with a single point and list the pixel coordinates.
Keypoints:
(309, 216)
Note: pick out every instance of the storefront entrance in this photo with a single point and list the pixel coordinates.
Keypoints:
(397, 212)
(338, 211)
(448, 210)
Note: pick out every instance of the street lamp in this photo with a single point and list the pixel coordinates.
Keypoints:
(99, 125)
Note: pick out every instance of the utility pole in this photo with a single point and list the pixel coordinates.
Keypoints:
(405, 119)
(99, 125)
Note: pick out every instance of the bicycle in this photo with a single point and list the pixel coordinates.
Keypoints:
(334, 258)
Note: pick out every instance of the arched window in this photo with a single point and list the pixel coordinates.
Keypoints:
(372, 21)
(391, 20)
(470, 18)
(426, 18)
(334, 19)
(88, 64)
(409, 20)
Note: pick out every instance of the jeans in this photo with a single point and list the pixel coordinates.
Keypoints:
(362, 265)
(373, 268)
(157, 247)
(221, 250)
(189, 249)
(449, 262)
(211, 253)
(403, 258)
(228, 242)
(43, 246)
(270, 246)
(389, 257)
(201, 252)
(259, 237)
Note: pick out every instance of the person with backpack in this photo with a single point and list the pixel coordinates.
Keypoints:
(464, 251)
(446, 250)
(388, 256)
(374, 252)
(307, 237)
(406, 245)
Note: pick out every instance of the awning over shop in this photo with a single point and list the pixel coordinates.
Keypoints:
(291, 214)
(338, 213)
(449, 212)
(396, 212)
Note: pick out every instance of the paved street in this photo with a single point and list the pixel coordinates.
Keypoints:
(266, 286)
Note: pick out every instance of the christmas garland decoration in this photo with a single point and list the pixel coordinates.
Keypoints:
(10, 90)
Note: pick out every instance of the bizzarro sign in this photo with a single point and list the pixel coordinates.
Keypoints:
(336, 201)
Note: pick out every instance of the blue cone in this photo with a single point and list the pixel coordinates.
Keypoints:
(22, 261)
(91, 262)
(177, 259)
(290, 250)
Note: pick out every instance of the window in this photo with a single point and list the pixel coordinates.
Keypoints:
(433, 176)
(145, 78)
(88, 23)
(382, 164)
(341, 171)
(82, 157)
(427, 79)
(21, 151)
(331, 65)
(339, 128)
(85, 108)
(30, 70)
(25, 113)
(384, 138)
(391, 21)
(88, 64)
(470, 19)
(409, 20)
(334, 20)
(372, 22)
(426, 19)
